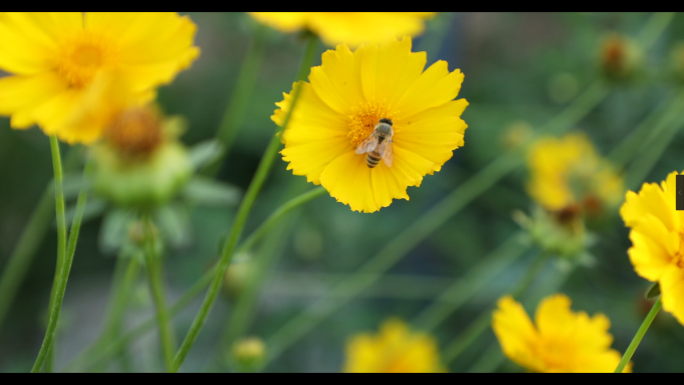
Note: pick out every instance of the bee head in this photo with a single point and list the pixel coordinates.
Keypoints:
(386, 121)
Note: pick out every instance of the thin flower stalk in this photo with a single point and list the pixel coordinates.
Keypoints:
(154, 276)
(235, 112)
(238, 225)
(59, 286)
(639, 336)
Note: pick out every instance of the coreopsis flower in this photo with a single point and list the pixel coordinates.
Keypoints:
(68, 69)
(559, 340)
(371, 104)
(351, 28)
(395, 349)
(657, 234)
(568, 174)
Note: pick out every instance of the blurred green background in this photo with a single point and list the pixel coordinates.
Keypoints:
(512, 65)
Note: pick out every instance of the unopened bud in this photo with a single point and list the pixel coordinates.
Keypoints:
(620, 58)
(249, 354)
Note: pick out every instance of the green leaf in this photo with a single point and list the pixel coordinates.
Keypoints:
(208, 192)
(653, 291)
(174, 224)
(205, 153)
(114, 230)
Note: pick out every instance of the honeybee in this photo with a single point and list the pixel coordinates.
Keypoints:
(378, 145)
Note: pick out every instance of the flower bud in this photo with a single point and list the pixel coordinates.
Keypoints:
(136, 165)
(248, 354)
(561, 233)
(620, 58)
(516, 134)
(237, 278)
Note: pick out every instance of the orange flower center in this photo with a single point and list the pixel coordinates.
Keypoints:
(82, 56)
(364, 119)
(136, 131)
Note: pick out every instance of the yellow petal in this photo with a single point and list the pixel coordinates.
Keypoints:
(650, 199)
(153, 46)
(54, 113)
(433, 134)
(338, 81)
(672, 289)
(389, 70)
(435, 87)
(356, 28)
(28, 40)
(19, 95)
(516, 333)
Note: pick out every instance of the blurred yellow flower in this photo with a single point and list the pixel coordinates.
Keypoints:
(657, 235)
(351, 28)
(394, 350)
(567, 171)
(348, 96)
(561, 341)
(70, 68)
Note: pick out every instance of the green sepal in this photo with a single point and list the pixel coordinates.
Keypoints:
(653, 291)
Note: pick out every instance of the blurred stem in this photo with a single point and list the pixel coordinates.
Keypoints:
(272, 220)
(34, 232)
(59, 285)
(241, 217)
(278, 215)
(128, 269)
(639, 336)
(239, 100)
(483, 322)
(154, 276)
(272, 248)
(424, 226)
(655, 26)
(665, 130)
(475, 280)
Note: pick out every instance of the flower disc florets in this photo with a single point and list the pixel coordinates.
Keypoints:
(345, 100)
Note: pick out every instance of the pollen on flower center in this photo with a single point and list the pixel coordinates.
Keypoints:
(82, 56)
(364, 119)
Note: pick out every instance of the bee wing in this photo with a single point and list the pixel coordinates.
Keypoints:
(368, 144)
(387, 152)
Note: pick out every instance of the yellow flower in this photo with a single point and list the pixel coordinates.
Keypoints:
(68, 68)
(345, 100)
(352, 28)
(394, 350)
(657, 235)
(567, 171)
(561, 341)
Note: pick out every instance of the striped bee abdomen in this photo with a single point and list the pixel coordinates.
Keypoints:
(372, 159)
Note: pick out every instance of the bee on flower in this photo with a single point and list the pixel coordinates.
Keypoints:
(351, 28)
(559, 341)
(395, 349)
(657, 235)
(372, 122)
(68, 69)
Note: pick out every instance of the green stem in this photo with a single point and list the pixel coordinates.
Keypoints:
(154, 275)
(34, 232)
(239, 100)
(482, 323)
(240, 219)
(59, 286)
(639, 336)
(122, 287)
(475, 280)
(247, 244)
(424, 226)
(278, 215)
